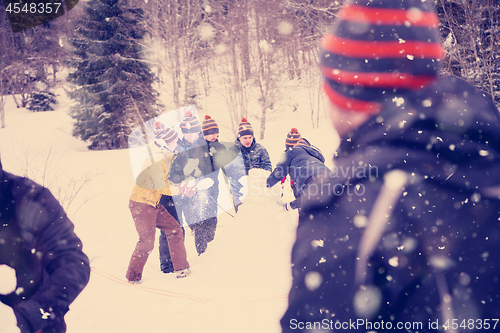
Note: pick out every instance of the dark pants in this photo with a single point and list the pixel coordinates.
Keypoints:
(166, 265)
(204, 233)
(200, 213)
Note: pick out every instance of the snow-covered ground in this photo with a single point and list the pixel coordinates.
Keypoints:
(240, 284)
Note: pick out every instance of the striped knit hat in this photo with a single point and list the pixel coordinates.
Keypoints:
(159, 129)
(302, 142)
(292, 138)
(169, 135)
(245, 128)
(380, 48)
(210, 126)
(190, 124)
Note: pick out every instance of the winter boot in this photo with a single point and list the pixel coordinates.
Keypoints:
(183, 273)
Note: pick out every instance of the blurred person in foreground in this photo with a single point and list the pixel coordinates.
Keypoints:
(408, 237)
(42, 266)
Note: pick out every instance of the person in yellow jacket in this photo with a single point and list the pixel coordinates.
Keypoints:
(149, 214)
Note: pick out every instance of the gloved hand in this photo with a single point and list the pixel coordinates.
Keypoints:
(185, 189)
(285, 205)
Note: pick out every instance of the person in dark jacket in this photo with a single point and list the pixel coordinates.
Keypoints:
(254, 154)
(408, 238)
(302, 162)
(201, 165)
(38, 242)
(181, 204)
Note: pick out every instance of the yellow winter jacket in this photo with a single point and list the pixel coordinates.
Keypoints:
(152, 182)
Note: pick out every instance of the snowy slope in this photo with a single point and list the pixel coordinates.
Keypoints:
(239, 285)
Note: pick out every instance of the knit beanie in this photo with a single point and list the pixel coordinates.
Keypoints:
(302, 142)
(380, 48)
(190, 124)
(159, 129)
(169, 135)
(210, 126)
(292, 138)
(244, 128)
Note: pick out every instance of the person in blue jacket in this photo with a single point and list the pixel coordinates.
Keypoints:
(37, 241)
(408, 238)
(303, 163)
(255, 155)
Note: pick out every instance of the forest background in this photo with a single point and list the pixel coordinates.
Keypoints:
(123, 62)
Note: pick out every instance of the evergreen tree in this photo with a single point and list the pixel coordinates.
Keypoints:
(42, 100)
(471, 34)
(112, 85)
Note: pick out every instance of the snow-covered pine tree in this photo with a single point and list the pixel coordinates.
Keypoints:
(41, 101)
(112, 85)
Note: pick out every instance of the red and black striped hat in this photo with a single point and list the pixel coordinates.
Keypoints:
(245, 128)
(169, 135)
(210, 126)
(380, 48)
(159, 129)
(190, 124)
(302, 142)
(292, 138)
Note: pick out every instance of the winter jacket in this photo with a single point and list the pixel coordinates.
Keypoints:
(301, 163)
(38, 242)
(152, 182)
(254, 157)
(200, 159)
(203, 159)
(428, 252)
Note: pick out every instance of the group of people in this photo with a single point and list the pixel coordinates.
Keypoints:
(181, 187)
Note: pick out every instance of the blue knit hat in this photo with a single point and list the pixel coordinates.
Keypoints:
(378, 48)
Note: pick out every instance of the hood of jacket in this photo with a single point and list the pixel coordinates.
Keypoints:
(311, 150)
(447, 133)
